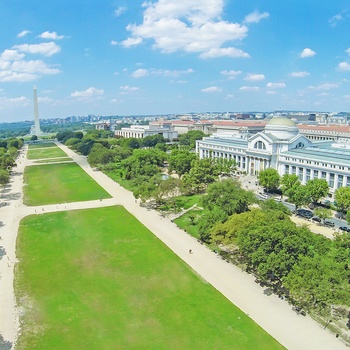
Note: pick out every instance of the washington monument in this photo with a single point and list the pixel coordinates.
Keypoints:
(37, 130)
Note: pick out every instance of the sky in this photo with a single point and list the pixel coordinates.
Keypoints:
(120, 57)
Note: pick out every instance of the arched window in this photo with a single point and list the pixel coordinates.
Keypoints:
(260, 145)
(300, 145)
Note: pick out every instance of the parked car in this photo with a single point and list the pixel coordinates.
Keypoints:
(316, 218)
(329, 223)
(339, 215)
(305, 213)
(263, 195)
(278, 199)
(344, 228)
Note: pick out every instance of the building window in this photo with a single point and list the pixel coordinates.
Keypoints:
(348, 181)
(308, 171)
(340, 181)
(260, 145)
(294, 170)
(331, 180)
(301, 172)
(287, 169)
(300, 145)
(324, 175)
(315, 174)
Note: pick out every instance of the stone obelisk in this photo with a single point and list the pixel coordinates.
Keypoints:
(36, 114)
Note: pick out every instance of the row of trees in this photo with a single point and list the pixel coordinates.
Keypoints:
(312, 192)
(311, 269)
(8, 154)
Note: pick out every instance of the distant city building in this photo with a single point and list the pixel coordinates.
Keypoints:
(281, 146)
(142, 131)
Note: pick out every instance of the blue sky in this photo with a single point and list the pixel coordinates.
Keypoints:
(169, 56)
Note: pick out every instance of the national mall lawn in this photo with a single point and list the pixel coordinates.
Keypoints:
(59, 183)
(98, 279)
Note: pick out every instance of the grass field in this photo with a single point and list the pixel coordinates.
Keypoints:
(42, 145)
(49, 152)
(59, 183)
(98, 279)
(55, 160)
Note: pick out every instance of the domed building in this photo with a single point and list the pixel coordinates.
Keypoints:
(281, 146)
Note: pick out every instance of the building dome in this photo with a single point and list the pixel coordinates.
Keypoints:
(281, 128)
(281, 121)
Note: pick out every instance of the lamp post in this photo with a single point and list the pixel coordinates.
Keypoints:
(327, 324)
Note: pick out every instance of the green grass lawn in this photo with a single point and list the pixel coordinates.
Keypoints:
(98, 279)
(189, 222)
(49, 152)
(59, 183)
(42, 145)
(55, 160)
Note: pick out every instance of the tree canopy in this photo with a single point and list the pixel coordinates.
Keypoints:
(269, 178)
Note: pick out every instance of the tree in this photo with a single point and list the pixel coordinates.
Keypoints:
(203, 172)
(180, 161)
(269, 178)
(228, 196)
(323, 213)
(34, 138)
(99, 155)
(299, 195)
(189, 139)
(288, 181)
(4, 176)
(342, 197)
(317, 188)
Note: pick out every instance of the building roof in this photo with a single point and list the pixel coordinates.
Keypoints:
(329, 128)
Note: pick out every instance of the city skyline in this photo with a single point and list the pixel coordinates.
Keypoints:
(143, 58)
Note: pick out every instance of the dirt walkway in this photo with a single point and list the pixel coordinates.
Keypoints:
(270, 312)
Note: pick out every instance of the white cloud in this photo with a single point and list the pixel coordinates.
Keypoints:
(299, 74)
(344, 66)
(249, 88)
(14, 101)
(45, 99)
(46, 49)
(11, 55)
(90, 92)
(50, 36)
(23, 33)
(348, 51)
(126, 89)
(36, 66)
(113, 43)
(256, 17)
(212, 89)
(325, 86)
(275, 85)
(254, 77)
(131, 42)
(190, 26)
(139, 73)
(119, 11)
(10, 76)
(307, 53)
(271, 92)
(333, 21)
(224, 52)
(231, 74)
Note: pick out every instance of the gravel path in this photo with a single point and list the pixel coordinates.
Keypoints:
(270, 312)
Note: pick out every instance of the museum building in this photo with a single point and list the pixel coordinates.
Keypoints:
(281, 146)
